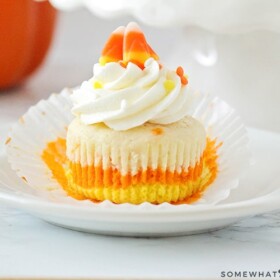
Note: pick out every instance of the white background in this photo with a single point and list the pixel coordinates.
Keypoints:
(246, 74)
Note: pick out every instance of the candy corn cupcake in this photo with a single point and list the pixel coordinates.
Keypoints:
(130, 140)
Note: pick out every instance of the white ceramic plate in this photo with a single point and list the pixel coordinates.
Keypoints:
(28, 140)
(259, 192)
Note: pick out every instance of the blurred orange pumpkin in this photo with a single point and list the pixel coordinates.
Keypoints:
(26, 29)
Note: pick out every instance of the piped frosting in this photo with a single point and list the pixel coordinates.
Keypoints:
(129, 86)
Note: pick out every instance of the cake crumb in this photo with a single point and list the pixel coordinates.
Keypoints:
(8, 140)
(157, 131)
(24, 179)
(21, 120)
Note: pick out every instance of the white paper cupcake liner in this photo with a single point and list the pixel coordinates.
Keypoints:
(50, 118)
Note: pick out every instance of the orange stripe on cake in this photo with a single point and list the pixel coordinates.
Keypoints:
(97, 177)
(87, 182)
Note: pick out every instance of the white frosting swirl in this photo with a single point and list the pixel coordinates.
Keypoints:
(130, 96)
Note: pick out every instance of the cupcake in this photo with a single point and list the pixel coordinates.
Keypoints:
(131, 140)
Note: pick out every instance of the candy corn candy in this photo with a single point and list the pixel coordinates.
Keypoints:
(113, 49)
(135, 47)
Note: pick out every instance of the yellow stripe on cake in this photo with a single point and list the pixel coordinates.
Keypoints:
(154, 193)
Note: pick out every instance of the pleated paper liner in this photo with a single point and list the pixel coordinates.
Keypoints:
(48, 120)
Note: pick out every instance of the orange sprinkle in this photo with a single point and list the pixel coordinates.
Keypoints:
(180, 71)
(8, 140)
(157, 131)
(184, 80)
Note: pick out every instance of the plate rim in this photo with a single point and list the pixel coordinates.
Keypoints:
(245, 209)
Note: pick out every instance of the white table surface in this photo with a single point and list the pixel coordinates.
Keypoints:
(30, 247)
